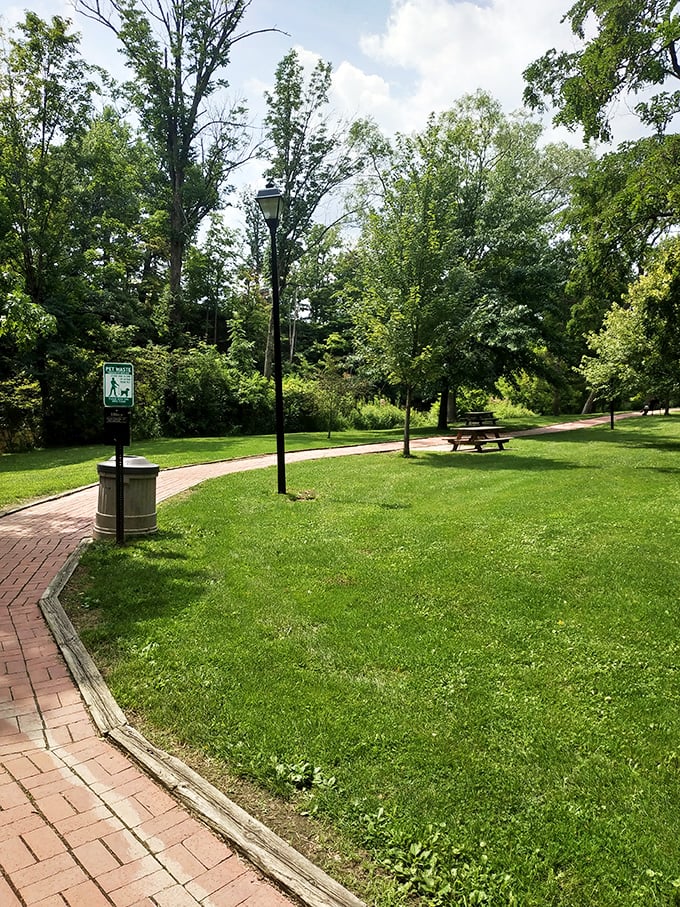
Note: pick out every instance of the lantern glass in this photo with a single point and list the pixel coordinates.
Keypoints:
(269, 200)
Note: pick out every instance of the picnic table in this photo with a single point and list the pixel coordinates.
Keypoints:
(478, 436)
(479, 418)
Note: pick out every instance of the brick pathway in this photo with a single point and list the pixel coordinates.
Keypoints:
(80, 824)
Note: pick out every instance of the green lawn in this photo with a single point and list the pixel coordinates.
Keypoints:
(42, 473)
(468, 664)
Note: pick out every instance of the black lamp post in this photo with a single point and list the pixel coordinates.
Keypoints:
(269, 200)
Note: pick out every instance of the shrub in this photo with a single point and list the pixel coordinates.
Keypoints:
(301, 405)
(377, 415)
(72, 407)
(152, 370)
(255, 404)
(20, 407)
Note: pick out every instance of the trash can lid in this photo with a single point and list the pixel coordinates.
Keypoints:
(131, 463)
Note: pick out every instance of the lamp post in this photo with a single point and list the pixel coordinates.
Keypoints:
(269, 200)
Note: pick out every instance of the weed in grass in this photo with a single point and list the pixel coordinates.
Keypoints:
(432, 868)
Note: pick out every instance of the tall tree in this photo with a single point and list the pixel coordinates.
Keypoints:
(631, 46)
(312, 155)
(46, 92)
(408, 274)
(637, 350)
(178, 51)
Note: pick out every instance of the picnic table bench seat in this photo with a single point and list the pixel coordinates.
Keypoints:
(477, 443)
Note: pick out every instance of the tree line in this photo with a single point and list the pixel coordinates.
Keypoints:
(467, 259)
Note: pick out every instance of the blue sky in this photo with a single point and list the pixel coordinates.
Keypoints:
(396, 60)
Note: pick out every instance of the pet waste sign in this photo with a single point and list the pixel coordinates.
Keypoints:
(119, 384)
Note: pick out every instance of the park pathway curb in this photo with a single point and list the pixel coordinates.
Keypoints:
(80, 824)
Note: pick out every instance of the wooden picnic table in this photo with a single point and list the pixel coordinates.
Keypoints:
(479, 418)
(478, 436)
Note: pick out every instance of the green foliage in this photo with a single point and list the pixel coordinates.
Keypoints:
(311, 157)
(301, 405)
(22, 322)
(636, 353)
(300, 775)
(72, 403)
(377, 415)
(178, 56)
(631, 47)
(20, 406)
(152, 366)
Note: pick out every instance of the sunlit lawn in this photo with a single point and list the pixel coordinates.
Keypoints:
(490, 642)
(41, 473)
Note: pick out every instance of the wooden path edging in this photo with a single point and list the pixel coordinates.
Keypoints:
(280, 862)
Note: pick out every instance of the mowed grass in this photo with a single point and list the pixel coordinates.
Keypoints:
(468, 664)
(41, 473)
(45, 472)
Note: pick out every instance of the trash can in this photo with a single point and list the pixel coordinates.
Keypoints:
(139, 478)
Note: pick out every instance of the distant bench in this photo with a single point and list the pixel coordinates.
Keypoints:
(479, 418)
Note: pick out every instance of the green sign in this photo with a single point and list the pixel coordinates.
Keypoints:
(119, 384)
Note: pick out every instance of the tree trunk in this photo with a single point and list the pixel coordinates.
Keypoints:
(452, 413)
(442, 416)
(589, 404)
(407, 423)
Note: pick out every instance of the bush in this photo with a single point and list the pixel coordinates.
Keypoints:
(255, 404)
(301, 405)
(378, 415)
(20, 407)
(72, 407)
(199, 397)
(152, 368)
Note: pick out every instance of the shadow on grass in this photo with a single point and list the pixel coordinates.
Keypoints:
(53, 459)
(621, 437)
(167, 573)
(492, 461)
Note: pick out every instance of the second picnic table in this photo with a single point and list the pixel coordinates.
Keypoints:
(479, 418)
(478, 436)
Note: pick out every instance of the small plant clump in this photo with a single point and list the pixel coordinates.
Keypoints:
(430, 867)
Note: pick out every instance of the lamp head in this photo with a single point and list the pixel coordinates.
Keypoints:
(269, 200)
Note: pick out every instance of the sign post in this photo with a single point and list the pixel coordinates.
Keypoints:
(119, 398)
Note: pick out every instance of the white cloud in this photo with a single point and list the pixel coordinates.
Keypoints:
(453, 48)
(356, 93)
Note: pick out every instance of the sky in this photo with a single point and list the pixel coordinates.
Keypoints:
(394, 60)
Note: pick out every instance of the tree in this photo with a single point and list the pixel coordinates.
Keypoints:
(637, 351)
(494, 253)
(46, 94)
(212, 269)
(177, 50)
(402, 319)
(633, 47)
(624, 205)
(310, 156)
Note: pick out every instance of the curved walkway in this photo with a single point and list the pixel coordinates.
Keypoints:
(81, 825)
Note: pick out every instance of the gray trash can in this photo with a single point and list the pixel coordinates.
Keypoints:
(139, 478)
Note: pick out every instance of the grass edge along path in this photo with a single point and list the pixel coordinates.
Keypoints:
(598, 527)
